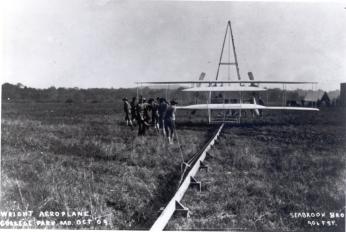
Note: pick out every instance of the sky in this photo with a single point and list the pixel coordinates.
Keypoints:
(112, 44)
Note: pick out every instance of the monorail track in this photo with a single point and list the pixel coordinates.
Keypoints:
(190, 169)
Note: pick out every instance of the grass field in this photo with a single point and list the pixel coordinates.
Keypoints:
(260, 174)
(82, 157)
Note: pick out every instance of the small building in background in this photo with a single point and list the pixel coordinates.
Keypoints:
(343, 94)
(311, 98)
(324, 100)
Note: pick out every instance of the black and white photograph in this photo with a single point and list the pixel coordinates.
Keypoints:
(173, 115)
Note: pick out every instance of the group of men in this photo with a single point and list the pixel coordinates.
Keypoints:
(157, 113)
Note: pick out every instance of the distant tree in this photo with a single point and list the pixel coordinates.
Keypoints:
(69, 101)
(20, 85)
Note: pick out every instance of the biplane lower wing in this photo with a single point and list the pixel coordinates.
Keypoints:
(245, 106)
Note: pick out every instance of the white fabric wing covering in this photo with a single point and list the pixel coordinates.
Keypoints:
(224, 88)
(242, 106)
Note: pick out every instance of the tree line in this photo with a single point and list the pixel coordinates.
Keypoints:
(21, 93)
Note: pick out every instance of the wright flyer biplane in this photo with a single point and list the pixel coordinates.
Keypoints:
(229, 100)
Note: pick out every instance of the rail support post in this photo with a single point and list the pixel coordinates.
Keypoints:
(203, 166)
(208, 156)
(195, 183)
(184, 165)
(181, 210)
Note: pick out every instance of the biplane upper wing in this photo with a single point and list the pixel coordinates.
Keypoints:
(225, 88)
(242, 106)
(225, 82)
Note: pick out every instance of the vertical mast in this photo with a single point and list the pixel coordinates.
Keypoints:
(235, 54)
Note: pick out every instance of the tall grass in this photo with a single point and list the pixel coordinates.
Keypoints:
(261, 173)
(60, 157)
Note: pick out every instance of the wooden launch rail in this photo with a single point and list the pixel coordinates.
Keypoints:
(174, 205)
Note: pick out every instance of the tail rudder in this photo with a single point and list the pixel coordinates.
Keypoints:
(201, 78)
(252, 78)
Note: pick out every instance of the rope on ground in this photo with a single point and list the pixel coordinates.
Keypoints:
(194, 158)
(182, 157)
(183, 175)
(179, 145)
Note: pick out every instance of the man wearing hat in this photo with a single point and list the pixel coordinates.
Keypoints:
(127, 110)
(169, 121)
(154, 106)
(142, 114)
(134, 110)
(162, 109)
